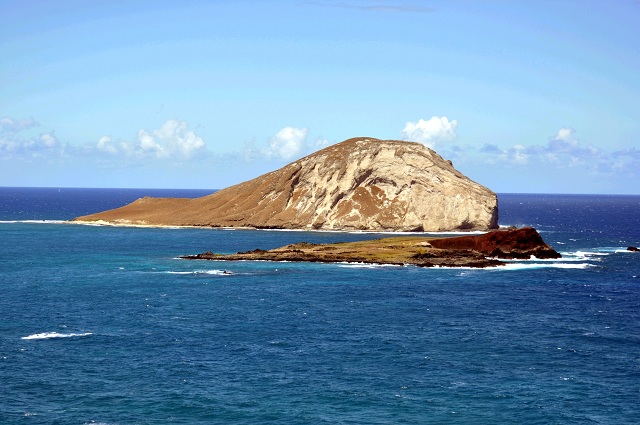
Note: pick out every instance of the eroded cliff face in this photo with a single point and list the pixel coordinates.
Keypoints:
(359, 184)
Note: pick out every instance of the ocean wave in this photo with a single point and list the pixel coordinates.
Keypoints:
(511, 265)
(33, 221)
(622, 251)
(567, 257)
(590, 253)
(49, 335)
(356, 265)
(103, 223)
(595, 255)
(202, 272)
(542, 265)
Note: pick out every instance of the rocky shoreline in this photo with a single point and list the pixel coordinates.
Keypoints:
(478, 251)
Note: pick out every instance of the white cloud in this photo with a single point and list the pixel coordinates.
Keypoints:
(48, 141)
(431, 132)
(627, 161)
(15, 145)
(173, 140)
(564, 141)
(516, 155)
(563, 150)
(288, 143)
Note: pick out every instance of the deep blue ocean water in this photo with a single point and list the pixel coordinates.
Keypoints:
(104, 324)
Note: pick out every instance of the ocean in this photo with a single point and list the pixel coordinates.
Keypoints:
(105, 325)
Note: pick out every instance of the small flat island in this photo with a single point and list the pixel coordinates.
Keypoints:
(485, 250)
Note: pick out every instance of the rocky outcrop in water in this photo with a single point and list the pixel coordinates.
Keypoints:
(359, 184)
(478, 251)
(523, 243)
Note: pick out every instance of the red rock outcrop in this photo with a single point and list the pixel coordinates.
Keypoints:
(513, 243)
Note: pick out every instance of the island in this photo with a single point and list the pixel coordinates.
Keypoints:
(478, 251)
(363, 184)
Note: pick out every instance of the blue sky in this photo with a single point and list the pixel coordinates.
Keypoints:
(526, 96)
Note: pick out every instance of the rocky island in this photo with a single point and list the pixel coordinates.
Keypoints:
(486, 250)
(362, 184)
(359, 184)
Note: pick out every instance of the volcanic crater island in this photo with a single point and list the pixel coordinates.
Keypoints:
(361, 184)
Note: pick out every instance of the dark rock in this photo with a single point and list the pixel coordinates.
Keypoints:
(511, 243)
(254, 251)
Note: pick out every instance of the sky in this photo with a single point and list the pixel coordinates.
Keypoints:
(523, 96)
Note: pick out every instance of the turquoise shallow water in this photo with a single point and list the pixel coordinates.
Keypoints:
(105, 325)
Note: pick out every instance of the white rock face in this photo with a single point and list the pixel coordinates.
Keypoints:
(371, 184)
(359, 184)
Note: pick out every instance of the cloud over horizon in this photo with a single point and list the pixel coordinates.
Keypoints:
(175, 143)
(12, 125)
(563, 150)
(14, 144)
(173, 140)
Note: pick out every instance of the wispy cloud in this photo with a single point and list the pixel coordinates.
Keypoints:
(173, 140)
(626, 161)
(563, 150)
(14, 144)
(13, 125)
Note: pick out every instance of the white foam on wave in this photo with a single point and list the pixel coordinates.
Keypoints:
(49, 335)
(586, 255)
(567, 257)
(33, 221)
(520, 265)
(590, 253)
(623, 251)
(366, 265)
(202, 272)
(542, 265)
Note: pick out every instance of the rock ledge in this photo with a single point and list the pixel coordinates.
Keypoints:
(478, 251)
